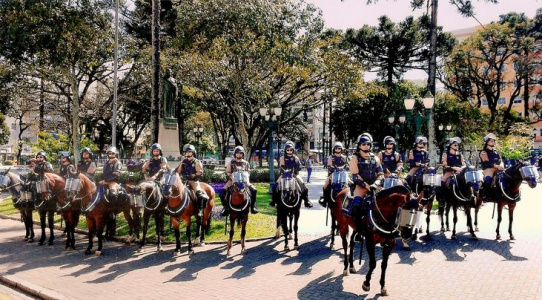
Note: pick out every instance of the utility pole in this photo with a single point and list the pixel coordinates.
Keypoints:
(155, 106)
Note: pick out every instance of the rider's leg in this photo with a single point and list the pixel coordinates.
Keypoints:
(224, 199)
(359, 211)
(486, 187)
(327, 194)
(201, 196)
(253, 193)
(304, 192)
(275, 190)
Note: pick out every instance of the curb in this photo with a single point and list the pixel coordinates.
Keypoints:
(30, 288)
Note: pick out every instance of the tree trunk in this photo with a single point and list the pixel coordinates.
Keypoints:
(75, 117)
(433, 48)
(155, 106)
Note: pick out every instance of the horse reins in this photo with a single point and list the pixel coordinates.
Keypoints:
(396, 229)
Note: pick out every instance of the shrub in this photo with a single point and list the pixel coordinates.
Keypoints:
(9, 163)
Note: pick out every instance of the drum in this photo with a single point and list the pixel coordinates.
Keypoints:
(73, 185)
(391, 182)
(41, 186)
(431, 179)
(474, 176)
(528, 172)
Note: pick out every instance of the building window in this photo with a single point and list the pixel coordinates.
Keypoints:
(484, 102)
(518, 101)
(502, 101)
(309, 121)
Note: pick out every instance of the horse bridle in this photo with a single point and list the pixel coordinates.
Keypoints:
(395, 230)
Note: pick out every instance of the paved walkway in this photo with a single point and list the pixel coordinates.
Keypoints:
(436, 269)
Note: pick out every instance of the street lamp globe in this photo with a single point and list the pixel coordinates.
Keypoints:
(402, 119)
(391, 119)
(409, 103)
(428, 101)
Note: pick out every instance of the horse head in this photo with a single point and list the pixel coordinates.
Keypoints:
(151, 196)
(172, 186)
(529, 174)
(389, 203)
(5, 179)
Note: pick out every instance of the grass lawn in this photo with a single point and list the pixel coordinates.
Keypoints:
(259, 226)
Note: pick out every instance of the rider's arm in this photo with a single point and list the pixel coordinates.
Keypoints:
(199, 171)
(297, 166)
(411, 161)
(144, 170)
(379, 172)
(356, 178)
(330, 167)
(228, 171)
(164, 164)
(399, 162)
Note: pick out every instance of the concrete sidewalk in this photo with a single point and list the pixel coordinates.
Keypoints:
(436, 269)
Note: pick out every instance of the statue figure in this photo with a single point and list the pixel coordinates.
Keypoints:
(169, 94)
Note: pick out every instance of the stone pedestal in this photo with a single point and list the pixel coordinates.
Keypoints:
(168, 138)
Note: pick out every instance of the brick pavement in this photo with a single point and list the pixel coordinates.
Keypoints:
(435, 269)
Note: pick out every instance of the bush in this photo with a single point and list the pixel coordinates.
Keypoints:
(124, 176)
(256, 175)
(9, 163)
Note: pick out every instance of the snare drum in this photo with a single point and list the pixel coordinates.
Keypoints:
(432, 179)
(474, 176)
(391, 182)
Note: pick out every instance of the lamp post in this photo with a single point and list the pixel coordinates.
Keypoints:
(271, 118)
(417, 117)
(446, 129)
(198, 131)
(396, 129)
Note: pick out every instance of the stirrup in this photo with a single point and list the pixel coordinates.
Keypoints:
(358, 238)
(308, 204)
(225, 213)
(253, 210)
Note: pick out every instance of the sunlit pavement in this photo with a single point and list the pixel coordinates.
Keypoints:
(436, 269)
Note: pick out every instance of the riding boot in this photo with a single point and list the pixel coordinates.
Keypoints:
(274, 191)
(253, 193)
(408, 180)
(305, 195)
(486, 188)
(202, 201)
(325, 198)
(223, 196)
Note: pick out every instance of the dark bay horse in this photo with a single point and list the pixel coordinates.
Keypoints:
(181, 206)
(50, 192)
(339, 182)
(288, 199)
(462, 191)
(379, 227)
(22, 196)
(239, 203)
(424, 185)
(154, 204)
(70, 209)
(507, 193)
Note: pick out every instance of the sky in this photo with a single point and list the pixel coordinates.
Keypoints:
(356, 13)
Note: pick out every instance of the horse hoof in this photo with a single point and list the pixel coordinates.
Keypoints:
(30, 240)
(290, 236)
(177, 252)
(196, 242)
(286, 248)
(352, 270)
(442, 229)
(243, 251)
(512, 238)
(476, 229)
(498, 237)
(159, 248)
(191, 252)
(383, 292)
(97, 253)
(87, 252)
(345, 273)
(366, 287)
(41, 243)
(50, 243)
(474, 238)
(228, 253)
(331, 246)
(296, 247)
(447, 228)
(63, 235)
(453, 237)
(406, 248)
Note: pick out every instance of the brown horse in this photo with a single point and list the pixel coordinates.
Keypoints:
(95, 209)
(50, 192)
(70, 209)
(378, 227)
(154, 205)
(181, 206)
(239, 202)
(507, 193)
(22, 196)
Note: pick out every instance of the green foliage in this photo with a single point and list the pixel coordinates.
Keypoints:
(4, 130)
(256, 175)
(517, 145)
(51, 145)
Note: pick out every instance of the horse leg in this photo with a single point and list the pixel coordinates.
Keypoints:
(91, 225)
(469, 223)
(130, 221)
(284, 224)
(177, 240)
(448, 207)
(290, 221)
(29, 224)
(42, 224)
(370, 246)
(189, 235)
(100, 227)
(136, 217)
(51, 221)
(343, 230)
(386, 251)
(351, 255)
(500, 206)
(278, 227)
(146, 217)
(428, 219)
(333, 229)
(296, 221)
(476, 210)
(243, 234)
(511, 207)
(159, 221)
(232, 223)
(454, 236)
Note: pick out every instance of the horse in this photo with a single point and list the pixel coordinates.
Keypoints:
(70, 209)
(507, 193)
(49, 192)
(462, 191)
(288, 199)
(424, 184)
(181, 205)
(22, 196)
(379, 226)
(339, 182)
(239, 203)
(153, 204)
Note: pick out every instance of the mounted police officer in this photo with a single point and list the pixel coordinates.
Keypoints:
(111, 173)
(390, 159)
(153, 166)
(335, 162)
(87, 166)
(367, 174)
(417, 157)
(41, 166)
(290, 161)
(452, 160)
(66, 167)
(191, 170)
(237, 163)
(491, 163)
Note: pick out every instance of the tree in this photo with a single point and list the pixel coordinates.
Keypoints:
(392, 49)
(238, 56)
(491, 61)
